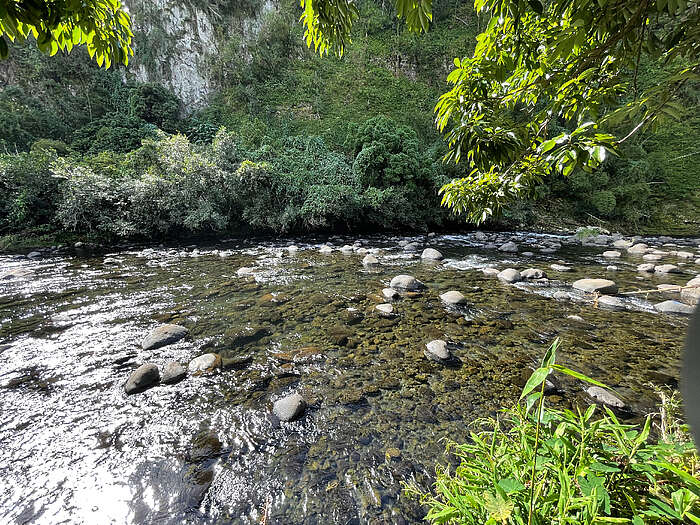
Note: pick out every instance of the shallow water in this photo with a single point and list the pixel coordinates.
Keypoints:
(75, 449)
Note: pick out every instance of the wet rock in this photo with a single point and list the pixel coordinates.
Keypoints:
(685, 255)
(612, 254)
(646, 268)
(533, 273)
(622, 243)
(666, 268)
(34, 255)
(110, 261)
(437, 351)
(509, 247)
(142, 378)
(674, 307)
(639, 248)
(204, 364)
(489, 271)
(163, 335)
(15, 273)
(173, 372)
(548, 250)
(561, 268)
(610, 302)
(246, 335)
(244, 271)
(270, 299)
(509, 275)
(390, 294)
(601, 395)
(431, 254)
(406, 282)
(527, 254)
(694, 282)
(411, 247)
(577, 318)
(691, 296)
(652, 257)
(339, 335)
(611, 268)
(347, 249)
(560, 295)
(385, 310)
(292, 248)
(453, 297)
(604, 286)
(479, 236)
(370, 260)
(289, 408)
(669, 289)
(325, 249)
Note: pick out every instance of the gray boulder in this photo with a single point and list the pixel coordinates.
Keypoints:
(390, 294)
(690, 296)
(509, 246)
(646, 268)
(652, 257)
(509, 275)
(603, 286)
(533, 273)
(610, 302)
(674, 307)
(611, 254)
(370, 260)
(289, 408)
(437, 351)
(411, 247)
(406, 282)
(638, 248)
(173, 372)
(601, 395)
(325, 249)
(685, 255)
(453, 297)
(622, 243)
(163, 335)
(431, 254)
(204, 364)
(489, 271)
(142, 378)
(385, 310)
(34, 255)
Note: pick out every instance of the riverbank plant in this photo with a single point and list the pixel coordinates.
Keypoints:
(536, 465)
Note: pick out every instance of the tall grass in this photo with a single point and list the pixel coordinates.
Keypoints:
(536, 465)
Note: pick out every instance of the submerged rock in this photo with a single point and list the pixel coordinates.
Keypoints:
(173, 372)
(142, 378)
(509, 275)
(204, 364)
(246, 270)
(533, 273)
(611, 302)
(406, 282)
(604, 286)
(163, 335)
(561, 268)
(612, 254)
(289, 408)
(560, 295)
(674, 307)
(509, 247)
(577, 318)
(385, 310)
(652, 257)
(16, 273)
(601, 395)
(431, 254)
(453, 297)
(490, 271)
(437, 351)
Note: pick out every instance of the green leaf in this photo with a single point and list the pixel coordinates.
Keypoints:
(578, 375)
(510, 485)
(536, 379)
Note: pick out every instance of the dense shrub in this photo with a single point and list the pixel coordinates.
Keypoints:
(114, 132)
(156, 105)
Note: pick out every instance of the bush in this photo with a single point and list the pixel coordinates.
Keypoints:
(154, 104)
(114, 132)
(566, 467)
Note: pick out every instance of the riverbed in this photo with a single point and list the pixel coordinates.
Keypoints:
(74, 448)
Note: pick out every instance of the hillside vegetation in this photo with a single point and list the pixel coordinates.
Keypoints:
(290, 142)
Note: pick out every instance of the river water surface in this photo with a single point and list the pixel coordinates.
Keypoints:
(74, 448)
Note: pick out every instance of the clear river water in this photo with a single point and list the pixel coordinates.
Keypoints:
(74, 448)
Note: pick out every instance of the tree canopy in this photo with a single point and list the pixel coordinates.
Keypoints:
(102, 25)
(537, 69)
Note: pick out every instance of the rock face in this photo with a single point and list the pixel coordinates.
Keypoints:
(390, 294)
(674, 307)
(406, 282)
(509, 275)
(533, 273)
(385, 310)
(453, 297)
(509, 246)
(204, 364)
(605, 397)
(604, 286)
(646, 268)
(370, 260)
(173, 372)
(163, 335)
(666, 268)
(431, 254)
(437, 351)
(142, 379)
(612, 254)
(561, 268)
(289, 408)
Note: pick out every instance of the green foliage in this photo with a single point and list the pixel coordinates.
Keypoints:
(552, 466)
(102, 25)
(155, 105)
(113, 132)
